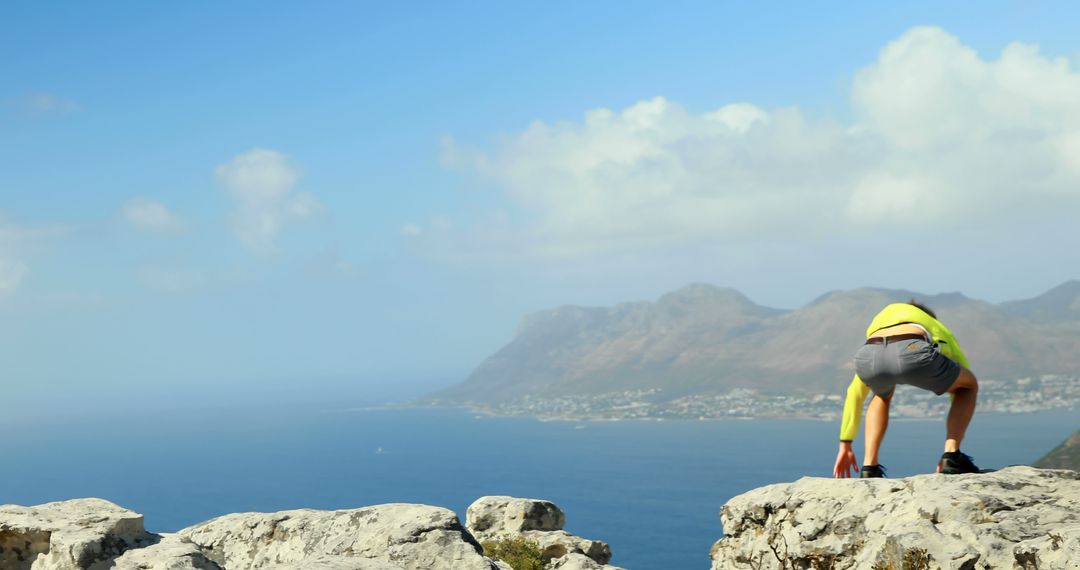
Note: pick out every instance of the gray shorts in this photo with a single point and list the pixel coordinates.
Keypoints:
(913, 362)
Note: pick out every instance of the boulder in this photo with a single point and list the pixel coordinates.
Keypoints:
(499, 517)
(93, 534)
(412, 537)
(577, 561)
(1019, 517)
(500, 514)
(559, 543)
(171, 552)
(80, 534)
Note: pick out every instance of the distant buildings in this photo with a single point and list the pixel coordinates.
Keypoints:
(1015, 396)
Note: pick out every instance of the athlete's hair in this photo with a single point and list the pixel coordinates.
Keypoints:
(924, 308)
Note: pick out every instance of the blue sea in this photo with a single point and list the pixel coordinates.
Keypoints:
(651, 489)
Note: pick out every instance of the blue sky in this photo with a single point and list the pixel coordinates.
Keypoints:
(197, 194)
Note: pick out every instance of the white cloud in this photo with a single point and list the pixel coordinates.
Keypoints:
(346, 268)
(928, 91)
(260, 183)
(941, 135)
(21, 236)
(411, 230)
(880, 198)
(41, 103)
(150, 215)
(171, 280)
(12, 273)
(16, 243)
(326, 266)
(655, 174)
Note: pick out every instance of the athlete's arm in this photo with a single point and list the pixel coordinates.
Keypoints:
(849, 428)
(853, 405)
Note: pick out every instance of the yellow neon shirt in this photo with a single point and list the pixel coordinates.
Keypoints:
(895, 314)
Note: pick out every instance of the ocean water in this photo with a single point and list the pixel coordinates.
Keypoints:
(651, 489)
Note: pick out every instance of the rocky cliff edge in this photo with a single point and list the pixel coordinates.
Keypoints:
(93, 534)
(1015, 518)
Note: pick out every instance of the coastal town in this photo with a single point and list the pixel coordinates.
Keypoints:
(1032, 394)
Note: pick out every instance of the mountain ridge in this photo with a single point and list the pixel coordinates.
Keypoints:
(1060, 303)
(707, 339)
(1064, 456)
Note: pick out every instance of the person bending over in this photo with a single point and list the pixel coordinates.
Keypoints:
(906, 344)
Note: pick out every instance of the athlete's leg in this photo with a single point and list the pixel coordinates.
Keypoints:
(965, 391)
(877, 421)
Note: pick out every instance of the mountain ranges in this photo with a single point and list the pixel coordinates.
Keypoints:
(704, 339)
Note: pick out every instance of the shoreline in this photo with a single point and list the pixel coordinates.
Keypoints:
(482, 413)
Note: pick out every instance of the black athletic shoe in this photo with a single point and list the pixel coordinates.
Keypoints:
(872, 472)
(955, 463)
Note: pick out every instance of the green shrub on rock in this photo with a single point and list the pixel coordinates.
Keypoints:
(913, 559)
(519, 552)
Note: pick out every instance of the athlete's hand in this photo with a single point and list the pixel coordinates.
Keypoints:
(845, 462)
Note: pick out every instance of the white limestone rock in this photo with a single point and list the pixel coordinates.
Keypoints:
(413, 537)
(559, 543)
(1058, 549)
(500, 514)
(577, 561)
(81, 534)
(93, 534)
(500, 517)
(1019, 517)
(172, 552)
(335, 563)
